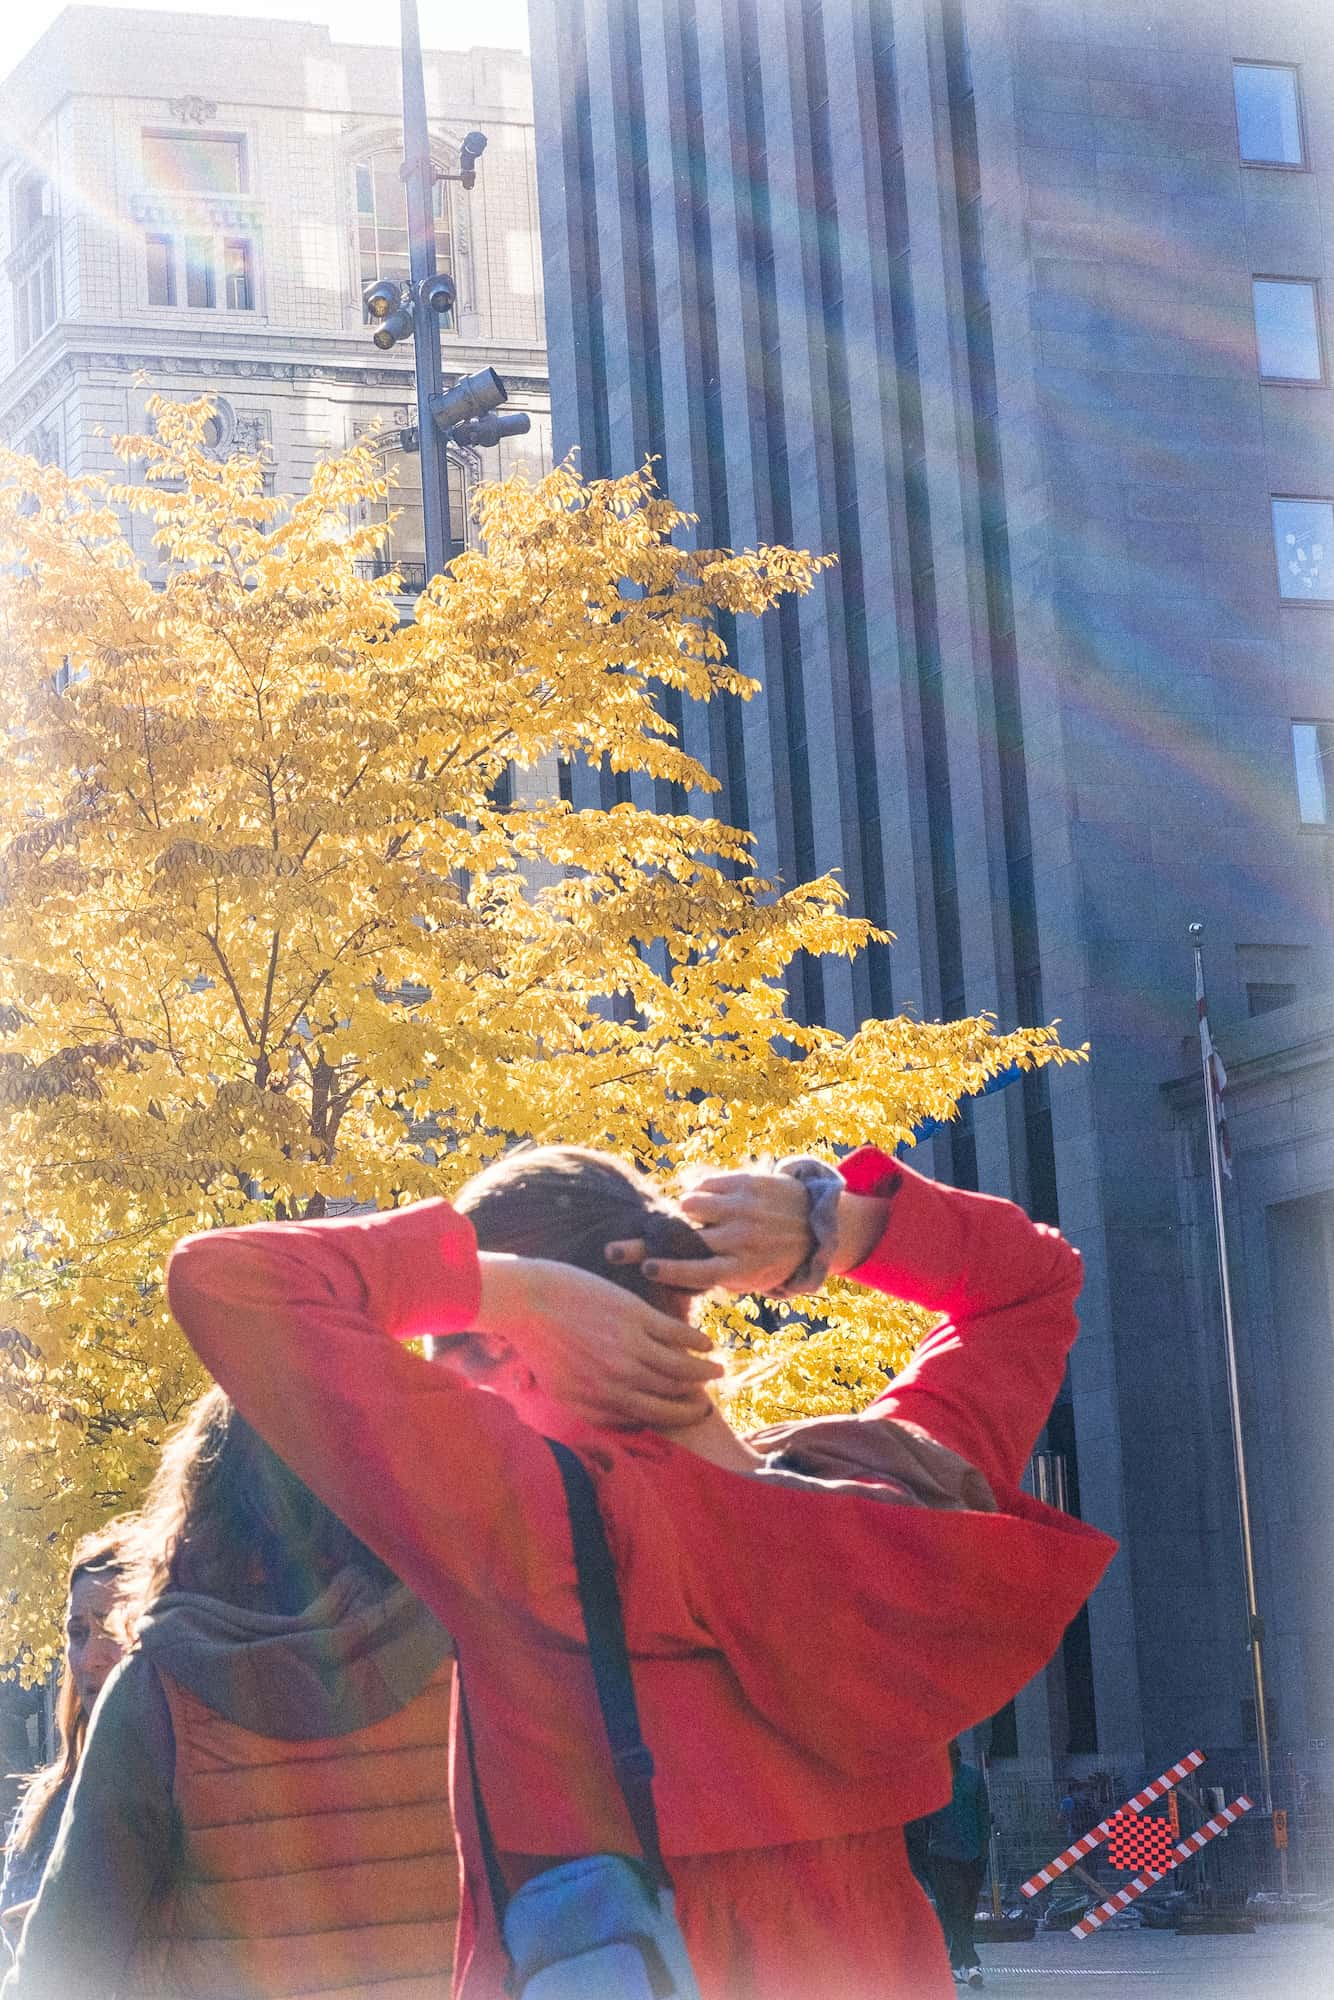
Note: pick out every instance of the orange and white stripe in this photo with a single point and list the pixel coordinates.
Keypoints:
(1183, 1851)
(1088, 1841)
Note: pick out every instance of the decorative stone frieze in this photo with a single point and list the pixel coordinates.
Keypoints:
(192, 110)
(165, 208)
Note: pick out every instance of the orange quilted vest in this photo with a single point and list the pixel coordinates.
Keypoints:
(323, 1867)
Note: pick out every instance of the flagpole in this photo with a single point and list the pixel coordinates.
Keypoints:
(1254, 1620)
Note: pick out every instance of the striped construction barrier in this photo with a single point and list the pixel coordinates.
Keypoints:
(1183, 1851)
(1088, 1841)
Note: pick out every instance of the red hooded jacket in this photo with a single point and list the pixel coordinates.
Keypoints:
(802, 1653)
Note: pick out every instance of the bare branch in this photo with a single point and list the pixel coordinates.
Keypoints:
(229, 978)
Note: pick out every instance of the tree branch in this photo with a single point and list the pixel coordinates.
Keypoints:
(226, 971)
(267, 1009)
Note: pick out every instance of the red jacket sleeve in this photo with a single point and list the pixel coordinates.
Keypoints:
(300, 1322)
(984, 1381)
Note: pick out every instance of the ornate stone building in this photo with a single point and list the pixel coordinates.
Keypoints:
(194, 203)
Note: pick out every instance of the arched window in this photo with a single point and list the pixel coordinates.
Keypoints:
(382, 221)
(404, 547)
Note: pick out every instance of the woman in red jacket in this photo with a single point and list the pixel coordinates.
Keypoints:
(261, 1808)
(811, 1616)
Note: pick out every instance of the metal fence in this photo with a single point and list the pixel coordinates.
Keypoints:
(412, 575)
(1237, 1866)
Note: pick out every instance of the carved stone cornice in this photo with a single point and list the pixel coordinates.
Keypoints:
(261, 368)
(72, 362)
(243, 368)
(173, 209)
(51, 382)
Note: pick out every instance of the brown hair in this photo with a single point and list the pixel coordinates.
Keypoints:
(225, 1518)
(100, 1555)
(568, 1203)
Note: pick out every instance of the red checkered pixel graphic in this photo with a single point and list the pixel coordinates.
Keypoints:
(1139, 1840)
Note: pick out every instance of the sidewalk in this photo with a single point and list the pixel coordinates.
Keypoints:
(1277, 1962)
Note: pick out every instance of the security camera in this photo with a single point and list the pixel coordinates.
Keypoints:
(380, 300)
(481, 431)
(473, 397)
(438, 293)
(471, 149)
(398, 326)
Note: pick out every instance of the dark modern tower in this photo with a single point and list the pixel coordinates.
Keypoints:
(1024, 312)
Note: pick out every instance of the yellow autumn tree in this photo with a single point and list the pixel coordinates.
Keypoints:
(272, 939)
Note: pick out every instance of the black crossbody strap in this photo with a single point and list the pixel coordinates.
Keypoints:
(495, 1876)
(600, 1601)
(610, 1657)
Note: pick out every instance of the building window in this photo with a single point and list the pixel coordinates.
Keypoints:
(191, 163)
(161, 254)
(199, 287)
(1304, 547)
(382, 221)
(238, 288)
(34, 305)
(190, 270)
(1264, 996)
(404, 547)
(1313, 761)
(1269, 119)
(1287, 329)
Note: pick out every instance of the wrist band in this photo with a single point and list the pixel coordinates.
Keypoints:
(823, 1184)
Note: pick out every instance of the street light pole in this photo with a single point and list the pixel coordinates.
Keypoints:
(418, 180)
(470, 412)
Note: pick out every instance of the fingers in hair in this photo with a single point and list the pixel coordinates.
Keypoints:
(626, 1250)
(703, 1208)
(687, 1274)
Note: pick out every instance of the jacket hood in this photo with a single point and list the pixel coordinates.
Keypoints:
(354, 1656)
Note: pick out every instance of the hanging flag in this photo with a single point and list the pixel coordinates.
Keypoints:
(1213, 1064)
(1003, 1077)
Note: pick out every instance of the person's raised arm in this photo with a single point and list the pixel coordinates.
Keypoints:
(300, 1323)
(983, 1382)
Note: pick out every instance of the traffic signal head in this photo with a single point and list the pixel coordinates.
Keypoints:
(471, 149)
(473, 397)
(398, 326)
(481, 431)
(438, 293)
(381, 299)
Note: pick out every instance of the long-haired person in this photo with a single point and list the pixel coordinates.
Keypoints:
(261, 1810)
(811, 1615)
(94, 1642)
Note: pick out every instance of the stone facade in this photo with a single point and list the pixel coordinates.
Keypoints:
(189, 203)
(964, 292)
